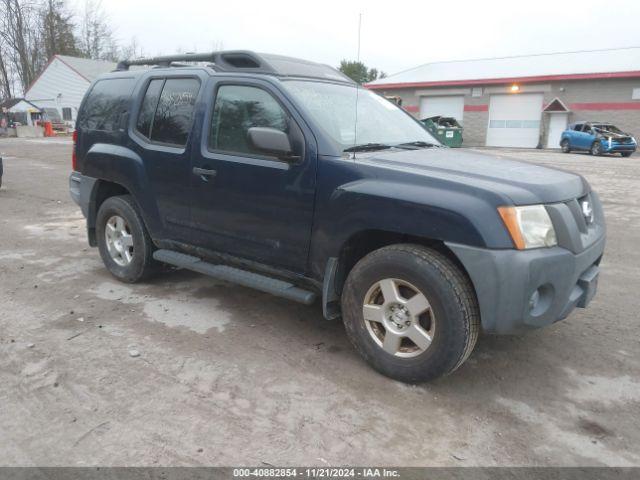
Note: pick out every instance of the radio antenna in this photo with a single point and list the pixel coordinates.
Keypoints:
(359, 30)
(355, 127)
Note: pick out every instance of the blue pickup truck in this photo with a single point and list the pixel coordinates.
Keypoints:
(597, 138)
(285, 176)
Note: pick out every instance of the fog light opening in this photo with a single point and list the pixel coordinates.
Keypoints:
(540, 300)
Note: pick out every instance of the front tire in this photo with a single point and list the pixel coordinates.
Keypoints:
(410, 312)
(596, 149)
(626, 154)
(123, 241)
(566, 146)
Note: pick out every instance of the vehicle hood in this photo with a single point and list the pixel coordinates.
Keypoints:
(613, 135)
(520, 182)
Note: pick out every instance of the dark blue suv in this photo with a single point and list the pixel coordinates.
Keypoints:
(283, 175)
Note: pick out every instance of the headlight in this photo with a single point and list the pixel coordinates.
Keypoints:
(529, 227)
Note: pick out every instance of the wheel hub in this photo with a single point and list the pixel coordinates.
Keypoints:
(398, 316)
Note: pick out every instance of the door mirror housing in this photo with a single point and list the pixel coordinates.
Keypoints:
(271, 142)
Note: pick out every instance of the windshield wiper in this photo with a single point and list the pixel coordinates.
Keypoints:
(418, 144)
(366, 147)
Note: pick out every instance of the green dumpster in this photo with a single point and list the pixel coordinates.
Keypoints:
(446, 129)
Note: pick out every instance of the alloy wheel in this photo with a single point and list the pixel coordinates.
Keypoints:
(399, 317)
(119, 240)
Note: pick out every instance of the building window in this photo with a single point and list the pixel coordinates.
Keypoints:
(635, 95)
(66, 114)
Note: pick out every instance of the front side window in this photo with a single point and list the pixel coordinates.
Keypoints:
(237, 109)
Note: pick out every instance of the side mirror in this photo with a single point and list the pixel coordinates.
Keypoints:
(270, 141)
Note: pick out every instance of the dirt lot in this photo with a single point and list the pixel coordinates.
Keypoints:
(230, 376)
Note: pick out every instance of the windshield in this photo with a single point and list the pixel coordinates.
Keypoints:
(608, 128)
(333, 107)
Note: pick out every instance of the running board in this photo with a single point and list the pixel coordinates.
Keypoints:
(227, 273)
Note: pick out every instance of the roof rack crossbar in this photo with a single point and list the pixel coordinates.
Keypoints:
(223, 61)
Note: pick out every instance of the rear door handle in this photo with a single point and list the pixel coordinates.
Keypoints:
(204, 173)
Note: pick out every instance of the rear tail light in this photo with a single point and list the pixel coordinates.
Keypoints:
(74, 162)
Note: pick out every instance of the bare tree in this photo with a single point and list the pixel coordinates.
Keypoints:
(132, 50)
(6, 82)
(19, 30)
(96, 37)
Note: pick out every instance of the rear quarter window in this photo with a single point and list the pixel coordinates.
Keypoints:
(105, 103)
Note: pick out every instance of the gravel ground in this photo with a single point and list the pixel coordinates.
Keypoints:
(229, 376)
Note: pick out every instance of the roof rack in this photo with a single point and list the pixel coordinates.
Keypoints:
(223, 61)
(246, 61)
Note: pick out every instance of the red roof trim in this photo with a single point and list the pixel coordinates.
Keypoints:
(476, 108)
(606, 106)
(73, 69)
(492, 81)
(410, 108)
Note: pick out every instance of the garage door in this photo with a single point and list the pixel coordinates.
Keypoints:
(514, 120)
(443, 106)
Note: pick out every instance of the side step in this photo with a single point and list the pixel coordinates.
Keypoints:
(270, 285)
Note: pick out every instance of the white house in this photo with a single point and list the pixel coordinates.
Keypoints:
(62, 84)
(19, 110)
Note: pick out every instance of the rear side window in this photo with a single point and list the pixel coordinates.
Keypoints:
(168, 119)
(107, 101)
(237, 109)
(149, 104)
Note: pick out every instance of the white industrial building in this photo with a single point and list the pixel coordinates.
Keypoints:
(524, 101)
(59, 88)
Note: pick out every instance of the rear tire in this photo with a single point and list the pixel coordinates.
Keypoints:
(381, 302)
(123, 241)
(566, 146)
(596, 149)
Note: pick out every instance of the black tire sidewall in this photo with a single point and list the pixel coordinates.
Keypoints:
(596, 149)
(566, 148)
(449, 339)
(139, 266)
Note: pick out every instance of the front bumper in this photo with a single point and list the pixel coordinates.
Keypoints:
(506, 282)
(618, 147)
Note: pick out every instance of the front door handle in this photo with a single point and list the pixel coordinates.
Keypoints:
(204, 173)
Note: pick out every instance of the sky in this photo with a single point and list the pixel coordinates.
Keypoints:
(395, 35)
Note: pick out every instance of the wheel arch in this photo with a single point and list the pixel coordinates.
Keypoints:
(360, 244)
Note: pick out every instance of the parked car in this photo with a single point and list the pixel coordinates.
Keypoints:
(597, 138)
(257, 170)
